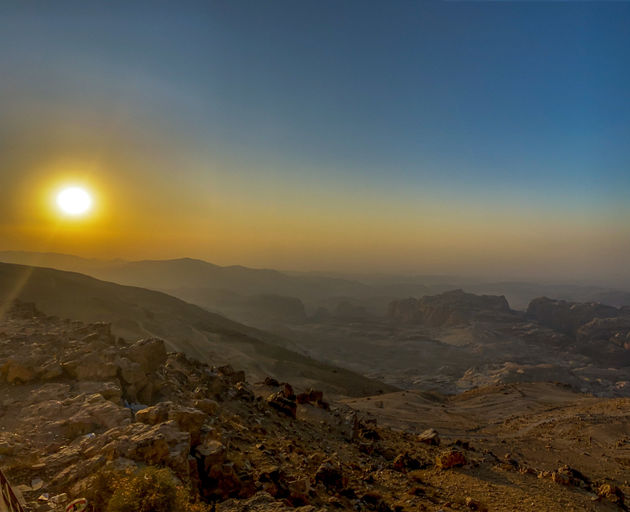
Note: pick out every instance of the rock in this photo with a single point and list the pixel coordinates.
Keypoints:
(188, 419)
(77, 415)
(149, 353)
(450, 458)
(90, 367)
(206, 405)
(243, 392)
(282, 404)
(310, 397)
(299, 490)
(110, 390)
(271, 382)
(560, 478)
(132, 372)
(161, 444)
(567, 475)
(18, 371)
(404, 462)
(58, 499)
(211, 453)
(232, 376)
(430, 436)
(155, 414)
(329, 473)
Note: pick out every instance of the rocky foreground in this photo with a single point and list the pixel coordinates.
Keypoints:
(83, 410)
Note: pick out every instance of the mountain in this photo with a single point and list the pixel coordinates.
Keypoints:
(136, 312)
(188, 274)
(249, 294)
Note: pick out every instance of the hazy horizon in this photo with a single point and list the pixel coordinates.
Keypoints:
(468, 138)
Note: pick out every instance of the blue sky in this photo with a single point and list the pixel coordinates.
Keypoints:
(496, 106)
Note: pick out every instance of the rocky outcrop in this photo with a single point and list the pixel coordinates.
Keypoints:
(614, 330)
(567, 317)
(225, 444)
(450, 308)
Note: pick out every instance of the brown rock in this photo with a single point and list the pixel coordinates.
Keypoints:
(161, 444)
(449, 459)
(149, 353)
(282, 404)
(18, 371)
(206, 405)
(211, 453)
(329, 473)
(188, 419)
(430, 436)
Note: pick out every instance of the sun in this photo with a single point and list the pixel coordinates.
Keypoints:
(74, 201)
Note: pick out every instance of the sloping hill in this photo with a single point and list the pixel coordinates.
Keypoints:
(137, 312)
(193, 274)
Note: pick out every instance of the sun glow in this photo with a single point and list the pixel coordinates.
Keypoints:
(74, 201)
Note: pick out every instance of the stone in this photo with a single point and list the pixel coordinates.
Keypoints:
(150, 354)
(430, 437)
(449, 459)
(18, 371)
(212, 453)
(329, 473)
(206, 405)
(282, 404)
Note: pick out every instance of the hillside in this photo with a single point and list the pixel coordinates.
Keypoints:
(137, 312)
(88, 416)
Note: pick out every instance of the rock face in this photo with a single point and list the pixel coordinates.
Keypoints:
(609, 330)
(568, 317)
(450, 308)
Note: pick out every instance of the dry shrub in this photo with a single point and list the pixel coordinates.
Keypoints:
(151, 490)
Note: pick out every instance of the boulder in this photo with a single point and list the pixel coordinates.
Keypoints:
(188, 419)
(162, 444)
(430, 436)
(450, 458)
(16, 371)
(150, 354)
(211, 453)
(329, 473)
(206, 405)
(282, 404)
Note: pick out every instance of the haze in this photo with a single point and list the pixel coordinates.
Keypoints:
(485, 138)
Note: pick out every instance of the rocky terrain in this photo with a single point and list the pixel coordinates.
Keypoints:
(140, 313)
(83, 411)
(457, 341)
(450, 308)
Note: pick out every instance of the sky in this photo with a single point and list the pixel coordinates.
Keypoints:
(469, 137)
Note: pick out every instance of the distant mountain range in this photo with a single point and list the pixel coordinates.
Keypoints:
(139, 313)
(239, 291)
